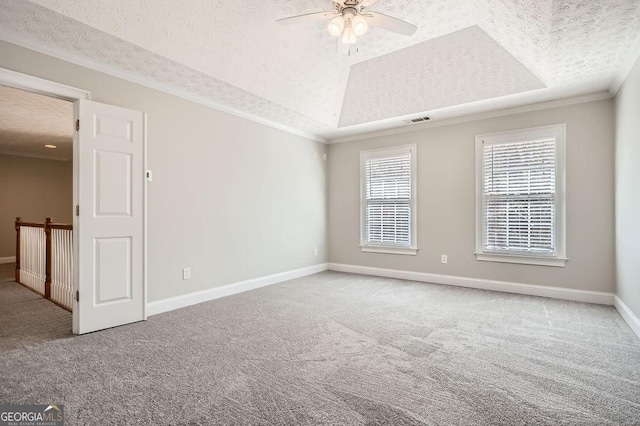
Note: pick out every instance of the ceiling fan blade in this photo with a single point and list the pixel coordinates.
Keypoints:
(390, 23)
(308, 17)
(368, 3)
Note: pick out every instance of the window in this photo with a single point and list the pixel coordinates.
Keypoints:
(520, 205)
(388, 199)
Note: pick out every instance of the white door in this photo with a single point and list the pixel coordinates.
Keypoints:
(108, 226)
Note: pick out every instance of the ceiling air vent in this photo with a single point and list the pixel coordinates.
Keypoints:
(419, 120)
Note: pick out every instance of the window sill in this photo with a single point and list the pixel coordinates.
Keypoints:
(410, 251)
(527, 260)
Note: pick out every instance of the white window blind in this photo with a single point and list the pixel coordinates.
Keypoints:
(519, 198)
(388, 199)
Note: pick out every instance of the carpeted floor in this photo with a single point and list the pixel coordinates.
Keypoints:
(28, 320)
(331, 348)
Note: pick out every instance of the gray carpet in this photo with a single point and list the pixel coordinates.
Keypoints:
(332, 348)
(26, 318)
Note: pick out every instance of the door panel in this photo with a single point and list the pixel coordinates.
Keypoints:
(113, 127)
(113, 183)
(110, 162)
(113, 279)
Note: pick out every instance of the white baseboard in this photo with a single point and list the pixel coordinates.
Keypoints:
(10, 259)
(185, 300)
(503, 286)
(627, 314)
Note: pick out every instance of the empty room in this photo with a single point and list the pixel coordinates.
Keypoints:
(376, 212)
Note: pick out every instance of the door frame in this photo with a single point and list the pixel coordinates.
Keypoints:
(74, 94)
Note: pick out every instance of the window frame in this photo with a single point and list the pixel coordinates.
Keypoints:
(557, 131)
(382, 153)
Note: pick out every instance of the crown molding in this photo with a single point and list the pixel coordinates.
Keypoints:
(627, 66)
(457, 114)
(597, 96)
(85, 62)
(36, 156)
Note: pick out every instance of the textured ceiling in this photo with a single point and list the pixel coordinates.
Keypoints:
(420, 77)
(233, 52)
(29, 120)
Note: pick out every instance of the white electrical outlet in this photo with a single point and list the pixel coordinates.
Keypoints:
(186, 273)
(443, 259)
(315, 154)
(324, 157)
(315, 252)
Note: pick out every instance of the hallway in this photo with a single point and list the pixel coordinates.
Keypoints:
(7, 271)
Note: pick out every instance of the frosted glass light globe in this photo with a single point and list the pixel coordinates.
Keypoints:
(336, 25)
(359, 25)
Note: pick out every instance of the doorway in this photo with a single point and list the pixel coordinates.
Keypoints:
(36, 197)
(108, 242)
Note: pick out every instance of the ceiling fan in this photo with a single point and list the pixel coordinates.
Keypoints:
(351, 19)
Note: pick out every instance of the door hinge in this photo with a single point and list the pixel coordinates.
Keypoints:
(77, 125)
(77, 296)
(77, 210)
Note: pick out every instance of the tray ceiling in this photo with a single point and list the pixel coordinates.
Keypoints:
(235, 55)
(457, 68)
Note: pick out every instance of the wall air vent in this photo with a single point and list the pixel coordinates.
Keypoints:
(419, 120)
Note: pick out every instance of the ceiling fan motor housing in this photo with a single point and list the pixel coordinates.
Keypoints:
(349, 6)
(349, 12)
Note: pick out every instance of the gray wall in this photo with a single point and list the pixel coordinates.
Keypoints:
(32, 189)
(230, 198)
(446, 200)
(628, 191)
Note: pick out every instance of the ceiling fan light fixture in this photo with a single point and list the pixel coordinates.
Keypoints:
(336, 26)
(348, 36)
(359, 25)
(350, 19)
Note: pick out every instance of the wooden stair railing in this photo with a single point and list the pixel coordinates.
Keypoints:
(38, 277)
